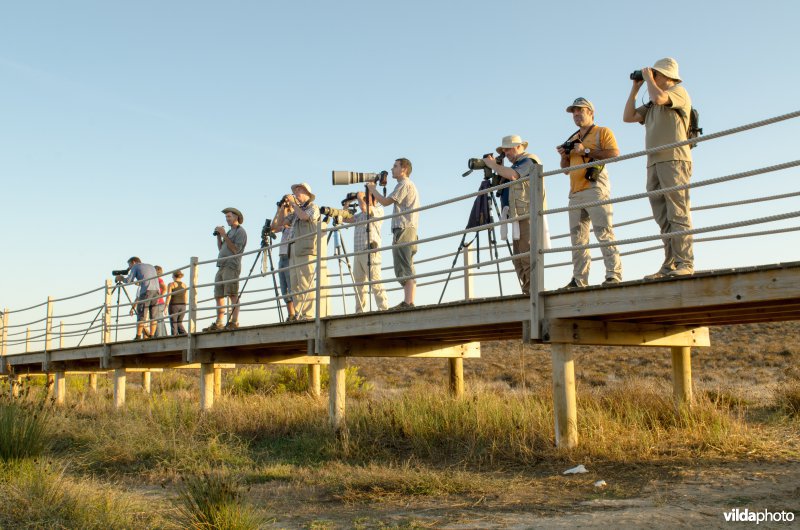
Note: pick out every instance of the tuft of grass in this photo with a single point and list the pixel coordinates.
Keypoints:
(285, 379)
(24, 425)
(41, 495)
(787, 398)
(212, 500)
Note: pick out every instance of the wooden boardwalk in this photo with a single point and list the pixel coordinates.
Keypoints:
(670, 312)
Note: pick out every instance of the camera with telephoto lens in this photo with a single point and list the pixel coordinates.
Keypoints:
(337, 213)
(121, 272)
(344, 178)
(475, 164)
(636, 75)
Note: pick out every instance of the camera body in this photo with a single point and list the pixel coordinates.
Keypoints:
(569, 145)
(267, 233)
(636, 75)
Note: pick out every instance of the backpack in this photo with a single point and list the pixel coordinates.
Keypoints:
(694, 129)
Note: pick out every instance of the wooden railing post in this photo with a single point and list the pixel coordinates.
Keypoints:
(4, 340)
(107, 312)
(61, 335)
(192, 329)
(536, 205)
(48, 323)
(27, 340)
(468, 287)
(318, 287)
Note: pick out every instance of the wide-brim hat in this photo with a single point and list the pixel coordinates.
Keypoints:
(512, 140)
(669, 68)
(235, 212)
(580, 102)
(307, 187)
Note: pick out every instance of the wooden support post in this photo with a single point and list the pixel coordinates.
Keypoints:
(468, 287)
(120, 378)
(456, 376)
(146, 380)
(93, 382)
(314, 380)
(60, 391)
(206, 386)
(51, 383)
(564, 401)
(336, 392)
(217, 382)
(682, 374)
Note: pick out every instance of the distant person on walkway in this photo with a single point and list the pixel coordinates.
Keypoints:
(666, 121)
(404, 197)
(146, 302)
(229, 243)
(282, 222)
(161, 307)
(522, 164)
(303, 251)
(176, 303)
(367, 267)
(590, 142)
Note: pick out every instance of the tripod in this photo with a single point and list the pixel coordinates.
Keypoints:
(340, 252)
(266, 249)
(119, 288)
(479, 216)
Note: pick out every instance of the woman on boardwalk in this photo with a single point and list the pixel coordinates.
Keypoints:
(176, 303)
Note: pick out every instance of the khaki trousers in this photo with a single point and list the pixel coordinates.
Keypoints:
(600, 218)
(361, 273)
(523, 265)
(672, 210)
(303, 277)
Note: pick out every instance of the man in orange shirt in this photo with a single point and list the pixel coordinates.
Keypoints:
(589, 143)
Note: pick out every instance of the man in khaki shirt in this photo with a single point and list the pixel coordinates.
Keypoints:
(666, 121)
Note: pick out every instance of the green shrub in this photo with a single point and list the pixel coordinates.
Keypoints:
(212, 500)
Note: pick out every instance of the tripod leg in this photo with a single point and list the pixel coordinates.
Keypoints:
(493, 245)
(461, 246)
(268, 252)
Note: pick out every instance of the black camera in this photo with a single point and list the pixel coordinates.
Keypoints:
(569, 145)
(478, 163)
(215, 233)
(636, 75)
(122, 272)
(349, 198)
(267, 233)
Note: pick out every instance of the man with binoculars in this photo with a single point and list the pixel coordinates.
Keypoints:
(589, 143)
(666, 119)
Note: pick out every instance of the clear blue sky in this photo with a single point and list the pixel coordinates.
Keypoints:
(127, 126)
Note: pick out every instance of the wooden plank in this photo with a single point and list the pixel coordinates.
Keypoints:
(570, 331)
(777, 284)
(358, 347)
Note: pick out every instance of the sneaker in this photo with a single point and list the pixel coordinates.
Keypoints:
(216, 326)
(660, 273)
(403, 305)
(573, 284)
(682, 270)
(137, 337)
(612, 281)
(292, 318)
(230, 326)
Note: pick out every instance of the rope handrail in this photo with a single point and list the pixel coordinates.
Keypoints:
(80, 312)
(664, 191)
(669, 235)
(692, 141)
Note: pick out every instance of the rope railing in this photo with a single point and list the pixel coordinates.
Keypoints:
(339, 283)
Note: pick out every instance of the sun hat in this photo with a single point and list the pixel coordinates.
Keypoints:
(307, 187)
(669, 68)
(581, 102)
(235, 212)
(512, 140)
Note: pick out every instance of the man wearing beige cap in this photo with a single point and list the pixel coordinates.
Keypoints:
(229, 266)
(522, 164)
(303, 251)
(590, 142)
(666, 121)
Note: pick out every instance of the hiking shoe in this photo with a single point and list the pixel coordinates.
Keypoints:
(403, 305)
(682, 270)
(137, 337)
(660, 273)
(573, 284)
(230, 326)
(216, 326)
(612, 281)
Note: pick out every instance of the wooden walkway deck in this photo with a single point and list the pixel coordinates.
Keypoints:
(670, 312)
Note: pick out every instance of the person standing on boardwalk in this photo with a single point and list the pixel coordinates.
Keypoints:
(229, 244)
(176, 303)
(666, 120)
(590, 142)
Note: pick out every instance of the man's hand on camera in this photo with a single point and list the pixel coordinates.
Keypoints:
(220, 230)
(579, 148)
